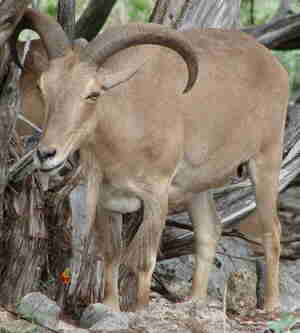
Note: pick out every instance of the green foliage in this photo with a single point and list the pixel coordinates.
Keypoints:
(263, 11)
(285, 324)
(138, 10)
(50, 7)
(259, 12)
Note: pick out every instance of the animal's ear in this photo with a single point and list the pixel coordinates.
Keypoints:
(111, 80)
(40, 62)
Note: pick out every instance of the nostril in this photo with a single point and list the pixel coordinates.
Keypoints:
(44, 153)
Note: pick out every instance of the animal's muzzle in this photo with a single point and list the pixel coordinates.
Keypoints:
(44, 153)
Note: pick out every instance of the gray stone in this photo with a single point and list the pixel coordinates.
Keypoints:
(290, 285)
(65, 327)
(100, 316)
(241, 292)
(40, 309)
(75, 330)
(177, 273)
(111, 322)
(19, 326)
(233, 255)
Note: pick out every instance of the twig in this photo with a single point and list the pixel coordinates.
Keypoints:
(28, 122)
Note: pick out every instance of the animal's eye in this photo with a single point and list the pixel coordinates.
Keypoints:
(93, 96)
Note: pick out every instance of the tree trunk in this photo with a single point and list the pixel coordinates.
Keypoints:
(93, 18)
(184, 14)
(22, 231)
(66, 16)
(86, 281)
(12, 11)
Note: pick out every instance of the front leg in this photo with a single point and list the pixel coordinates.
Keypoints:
(142, 251)
(108, 226)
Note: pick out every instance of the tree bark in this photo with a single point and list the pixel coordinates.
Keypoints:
(66, 16)
(282, 33)
(184, 14)
(93, 18)
(11, 12)
(22, 233)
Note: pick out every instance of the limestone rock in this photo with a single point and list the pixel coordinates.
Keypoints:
(101, 317)
(19, 326)
(40, 309)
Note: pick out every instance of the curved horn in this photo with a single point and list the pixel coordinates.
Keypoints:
(116, 39)
(55, 41)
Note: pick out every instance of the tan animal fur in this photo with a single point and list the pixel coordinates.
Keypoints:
(145, 144)
(32, 103)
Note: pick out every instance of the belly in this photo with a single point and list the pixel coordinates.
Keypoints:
(190, 180)
(119, 200)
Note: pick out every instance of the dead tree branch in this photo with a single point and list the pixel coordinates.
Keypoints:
(93, 18)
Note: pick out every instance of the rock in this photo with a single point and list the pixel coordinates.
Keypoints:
(290, 285)
(111, 322)
(101, 317)
(19, 326)
(177, 273)
(241, 292)
(186, 317)
(65, 327)
(39, 308)
(75, 330)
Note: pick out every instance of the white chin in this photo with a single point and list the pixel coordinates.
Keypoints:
(53, 169)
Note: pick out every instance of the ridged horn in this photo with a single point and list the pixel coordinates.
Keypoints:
(55, 40)
(119, 38)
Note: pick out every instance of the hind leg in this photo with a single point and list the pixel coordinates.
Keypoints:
(264, 171)
(207, 229)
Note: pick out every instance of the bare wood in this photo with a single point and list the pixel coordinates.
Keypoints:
(11, 12)
(93, 18)
(26, 239)
(182, 14)
(66, 16)
(281, 33)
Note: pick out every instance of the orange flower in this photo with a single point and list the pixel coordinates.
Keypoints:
(65, 276)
